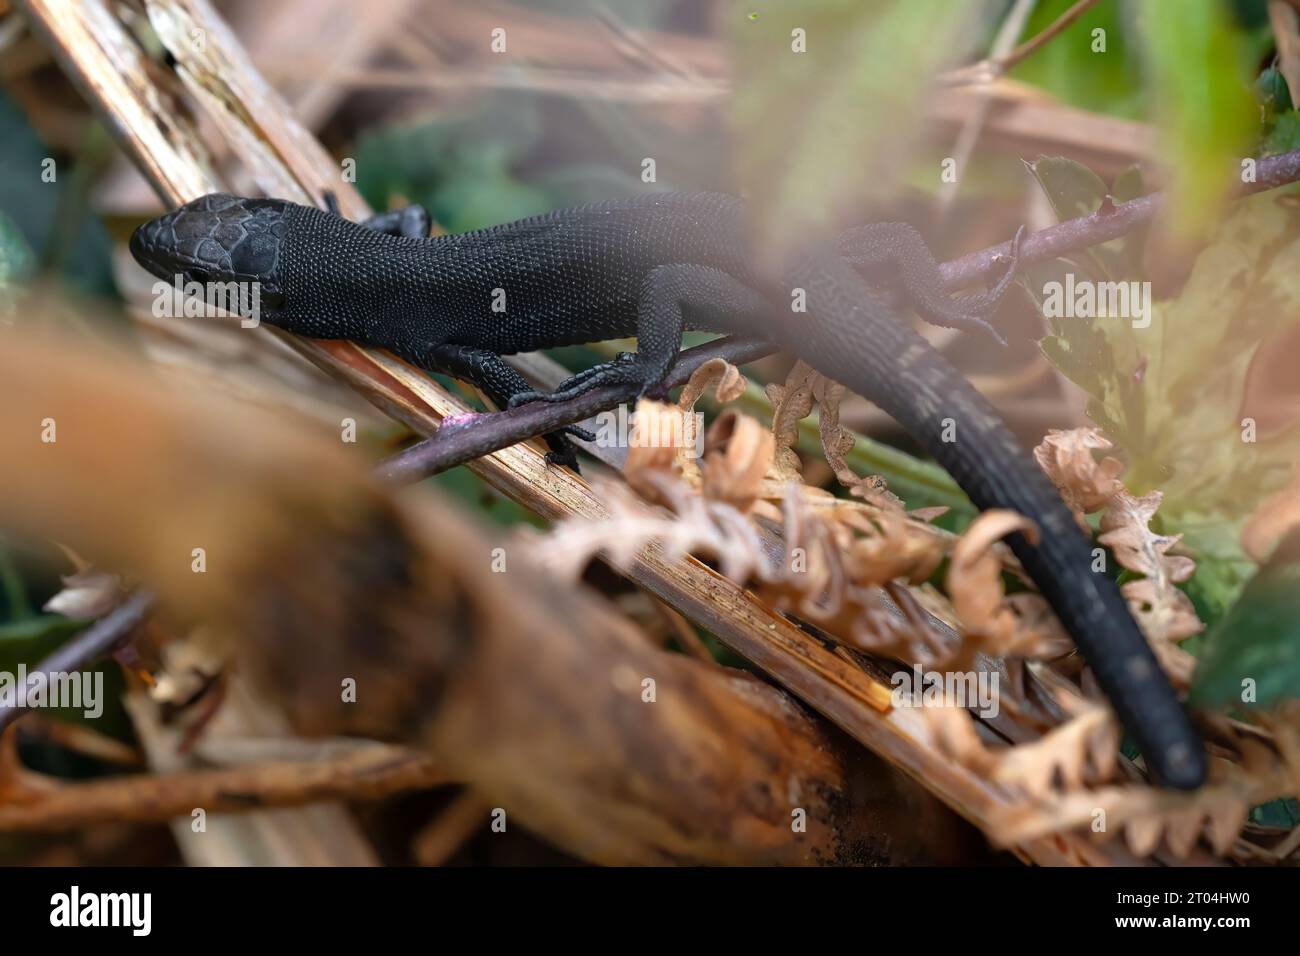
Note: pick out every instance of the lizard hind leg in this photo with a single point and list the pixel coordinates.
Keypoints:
(668, 294)
(983, 303)
(900, 247)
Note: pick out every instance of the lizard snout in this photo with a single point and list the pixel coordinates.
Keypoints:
(148, 244)
(216, 238)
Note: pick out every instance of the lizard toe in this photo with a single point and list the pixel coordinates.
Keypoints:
(562, 452)
(526, 398)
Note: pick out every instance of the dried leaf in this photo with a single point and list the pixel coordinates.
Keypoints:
(1161, 608)
(738, 455)
(1143, 834)
(1079, 752)
(889, 547)
(88, 594)
(725, 379)
(1146, 815)
(1271, 522)
(837, 557)
(663, 439)
(1085, 484)
(992, 624)
(1226, 817)
(838, 442)
(792, 402)
(953, 731)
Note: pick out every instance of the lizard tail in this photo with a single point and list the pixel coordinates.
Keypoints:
(852, 337)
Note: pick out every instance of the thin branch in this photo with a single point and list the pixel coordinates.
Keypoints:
(1031, 46)
(1109, 222)
(1012, 26)
(103, 637)
(456, 443)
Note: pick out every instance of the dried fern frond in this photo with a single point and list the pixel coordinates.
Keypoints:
(1245, 771)
(836, 556)
(837, 560)
(791, 403)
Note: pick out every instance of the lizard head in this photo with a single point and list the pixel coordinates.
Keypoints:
(218, 239)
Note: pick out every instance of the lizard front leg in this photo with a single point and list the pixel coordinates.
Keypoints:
(488, 371)
(413, 221)
(480, 367)
(900, 247)
(668, 294)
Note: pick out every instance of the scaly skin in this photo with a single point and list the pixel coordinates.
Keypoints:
(652, 266)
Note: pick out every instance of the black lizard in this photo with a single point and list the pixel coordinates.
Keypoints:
(652, 267)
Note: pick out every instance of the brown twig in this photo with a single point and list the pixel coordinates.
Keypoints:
(369, 773)
(456, 443)
(1037, 41)
(449, 831)
(81, 739)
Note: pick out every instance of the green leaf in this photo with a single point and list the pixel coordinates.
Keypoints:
(1092, 353)
(1258, 641)
(1072, 188)
(1075, 190)
(1272, 93)
(1222, 568)
(66, 236)
(483, 197)
(1097, 354)
(1171, 395)
(459, 167)
(1282, 814)
(1243, 287)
